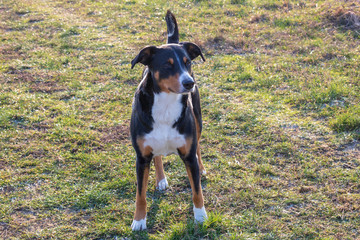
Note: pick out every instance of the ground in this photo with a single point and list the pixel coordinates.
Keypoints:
(280, 96)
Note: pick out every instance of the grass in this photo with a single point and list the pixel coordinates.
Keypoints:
(280, 100)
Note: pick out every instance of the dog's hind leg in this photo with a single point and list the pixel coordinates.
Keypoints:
(201, 166)
(161, 182)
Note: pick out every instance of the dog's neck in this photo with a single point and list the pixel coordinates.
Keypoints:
(167, 108)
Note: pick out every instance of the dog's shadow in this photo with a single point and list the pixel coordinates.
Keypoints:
(139, 235)
(157, 197)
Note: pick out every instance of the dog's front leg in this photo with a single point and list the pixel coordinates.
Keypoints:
(142, 173)
(192, 169)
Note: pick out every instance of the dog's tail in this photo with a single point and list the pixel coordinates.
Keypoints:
(172, 28)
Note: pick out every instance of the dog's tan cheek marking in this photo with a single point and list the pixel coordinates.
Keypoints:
(140, 211)
(171, 82)
(157, 75)
(163, 86)
(174, 82)
(198, 198)
(145, 151)
(162, 83)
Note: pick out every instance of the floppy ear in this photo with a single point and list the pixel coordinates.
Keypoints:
(144, 56)
(193, 50)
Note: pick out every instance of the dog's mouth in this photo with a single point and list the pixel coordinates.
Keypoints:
(182, 91)
(188, 91)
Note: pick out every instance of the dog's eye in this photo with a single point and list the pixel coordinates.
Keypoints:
(187, 62)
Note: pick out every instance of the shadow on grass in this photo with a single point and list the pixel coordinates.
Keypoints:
(154, 208)
(139, 235)
(212, 228)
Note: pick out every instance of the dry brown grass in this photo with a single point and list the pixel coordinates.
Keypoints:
(346, 16)
(259, 18)
(119, 133)
(220, 44)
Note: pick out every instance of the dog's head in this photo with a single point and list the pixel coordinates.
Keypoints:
(170, 64)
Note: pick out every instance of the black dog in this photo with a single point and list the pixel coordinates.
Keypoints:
(166, 118)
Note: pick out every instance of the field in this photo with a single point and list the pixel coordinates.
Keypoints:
(280, 95)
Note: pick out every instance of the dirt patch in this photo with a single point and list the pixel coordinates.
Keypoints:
(329, 56)
(270, 6)
(349, 19)
(7, 231)
(17, 75)
(30, 222)
(351, 147)
(27, 221)
(350, 151)
(220, 44)
(7, 189)
(37, 153)
(259, 18)
(307, 189)
(10, 52)
(43, 126)
(46, 87)
(119, 133)
(346, 17)
(345, 156)
(3, 9)
(35, 20)
(8, 14)
(39, 82)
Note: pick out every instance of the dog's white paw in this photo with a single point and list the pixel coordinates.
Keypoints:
(138, 225)
(200, 214)
(203, 172)
(162, 185)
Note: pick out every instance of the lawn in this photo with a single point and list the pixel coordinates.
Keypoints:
(280, 95)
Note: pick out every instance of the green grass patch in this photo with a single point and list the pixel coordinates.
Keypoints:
(347, 121)
(213, 228)
(279, 95)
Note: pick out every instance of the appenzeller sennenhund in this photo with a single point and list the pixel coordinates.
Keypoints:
(166, 118)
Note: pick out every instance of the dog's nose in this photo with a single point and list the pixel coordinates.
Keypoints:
(188, 84)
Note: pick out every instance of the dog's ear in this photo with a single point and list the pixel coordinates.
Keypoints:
(144, 56)
(172, 28)
(193, 50)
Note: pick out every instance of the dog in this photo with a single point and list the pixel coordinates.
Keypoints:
(166, 118)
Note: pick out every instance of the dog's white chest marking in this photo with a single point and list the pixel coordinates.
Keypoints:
(164, 139)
